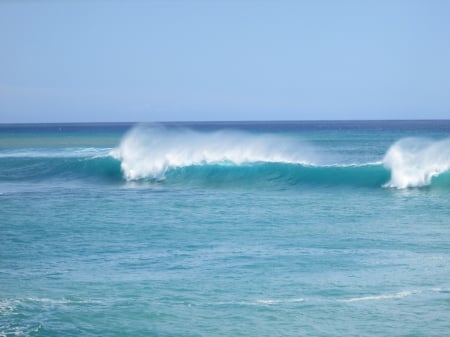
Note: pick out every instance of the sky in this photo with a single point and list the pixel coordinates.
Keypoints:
(143, 61)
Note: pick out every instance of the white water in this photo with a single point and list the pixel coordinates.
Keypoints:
(150, 152)
(415, 161)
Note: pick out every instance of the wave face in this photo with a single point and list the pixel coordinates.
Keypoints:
(414, 162)
(278, 175)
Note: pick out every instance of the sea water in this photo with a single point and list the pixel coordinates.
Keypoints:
(225, 229)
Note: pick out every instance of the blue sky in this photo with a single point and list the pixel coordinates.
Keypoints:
(75, 61)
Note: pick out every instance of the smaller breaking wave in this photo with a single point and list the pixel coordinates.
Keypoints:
(414, 162)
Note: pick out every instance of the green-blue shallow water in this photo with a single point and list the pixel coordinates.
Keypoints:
(225, 229)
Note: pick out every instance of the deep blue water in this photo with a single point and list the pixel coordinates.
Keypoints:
(225, 229)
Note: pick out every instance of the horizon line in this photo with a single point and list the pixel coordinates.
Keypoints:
(231, 121)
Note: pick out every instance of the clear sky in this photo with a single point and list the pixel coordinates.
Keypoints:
(75, 61)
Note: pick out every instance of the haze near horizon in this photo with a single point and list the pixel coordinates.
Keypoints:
(108, 61)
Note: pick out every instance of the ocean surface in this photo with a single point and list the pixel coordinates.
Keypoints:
(225, 229)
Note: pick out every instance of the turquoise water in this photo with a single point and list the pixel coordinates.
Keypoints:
(225, 229)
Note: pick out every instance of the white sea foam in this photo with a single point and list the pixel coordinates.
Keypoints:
(400, 294)
(263, 302)
(441, 290)
(415, 161)
(51, 301)
(151, 151)
(9, 305)
(279, 301)
(11, 330)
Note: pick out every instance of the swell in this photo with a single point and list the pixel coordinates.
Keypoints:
(183, 157)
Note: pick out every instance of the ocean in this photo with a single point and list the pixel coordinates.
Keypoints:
(225, 229)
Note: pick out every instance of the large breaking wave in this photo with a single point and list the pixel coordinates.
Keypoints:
(152, 152)
(176, 156)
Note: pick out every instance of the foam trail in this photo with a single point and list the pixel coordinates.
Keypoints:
(275, 302)
(148, 152)
(415, 161)
(379, 297)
